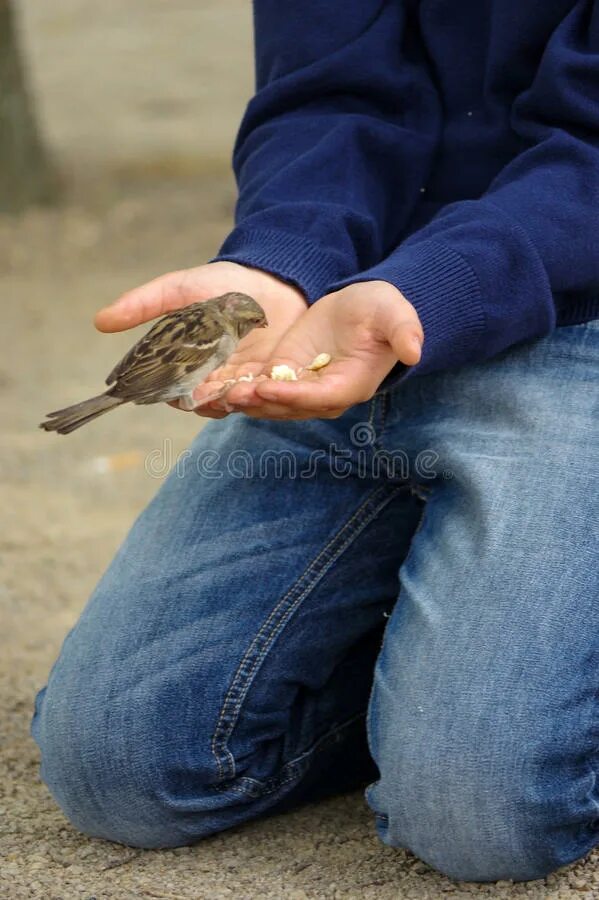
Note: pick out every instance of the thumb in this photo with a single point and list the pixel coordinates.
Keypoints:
(404, 333)
(155, 298)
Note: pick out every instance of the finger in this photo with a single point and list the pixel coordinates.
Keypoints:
(237, 386)
(234, 371)
(406, 337)
(407, 347)
(279, 413)
(319, 395)
(243, 393)
(206, 412)
(209, 391)
(157, 297)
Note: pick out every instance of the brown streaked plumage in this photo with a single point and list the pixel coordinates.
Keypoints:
(176, 355)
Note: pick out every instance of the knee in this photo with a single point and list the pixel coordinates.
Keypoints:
(112, 757)
(102, 765)
(479, 806)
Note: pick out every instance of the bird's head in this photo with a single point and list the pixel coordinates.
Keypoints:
(242, 312)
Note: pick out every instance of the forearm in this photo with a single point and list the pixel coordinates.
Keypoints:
(485, 274)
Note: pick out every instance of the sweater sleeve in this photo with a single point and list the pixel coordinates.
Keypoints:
(340, 97)
(485, 274)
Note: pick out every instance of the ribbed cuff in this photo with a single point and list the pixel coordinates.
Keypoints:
(294, 259)
(444, 290)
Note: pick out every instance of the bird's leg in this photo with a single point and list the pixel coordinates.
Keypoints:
(188, 402)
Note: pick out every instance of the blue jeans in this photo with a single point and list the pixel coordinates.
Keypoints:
(420, 574)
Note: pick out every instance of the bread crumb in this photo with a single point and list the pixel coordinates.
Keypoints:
(283, 373)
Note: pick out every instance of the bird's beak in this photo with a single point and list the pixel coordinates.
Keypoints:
(264, 324)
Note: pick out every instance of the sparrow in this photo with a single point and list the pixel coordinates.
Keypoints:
(176, 355)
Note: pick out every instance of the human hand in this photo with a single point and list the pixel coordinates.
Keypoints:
(282, 303)
(366, 328)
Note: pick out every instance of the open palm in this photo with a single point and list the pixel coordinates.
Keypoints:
(366, 328)
(282, 303)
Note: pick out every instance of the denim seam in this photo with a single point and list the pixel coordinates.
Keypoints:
(384, 401)
(593, 767)
(371, 414)
(293, 769)
(278, 618)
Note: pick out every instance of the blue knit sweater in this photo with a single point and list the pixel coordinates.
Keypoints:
(451, 149)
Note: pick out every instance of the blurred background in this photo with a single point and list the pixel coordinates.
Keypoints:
(145, 83)
(116, 127)
(117, 120)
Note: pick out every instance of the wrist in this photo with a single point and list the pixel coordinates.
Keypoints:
(385, 291)
(266, 286)
(280, 291)
(444, 290)
(295, 259)
(377, 291)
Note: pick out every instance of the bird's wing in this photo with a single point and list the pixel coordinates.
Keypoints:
(178, 345)
(168, 330)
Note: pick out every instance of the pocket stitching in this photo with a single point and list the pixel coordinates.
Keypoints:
(278, 619)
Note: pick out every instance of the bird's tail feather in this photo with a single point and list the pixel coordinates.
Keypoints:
(66, 420)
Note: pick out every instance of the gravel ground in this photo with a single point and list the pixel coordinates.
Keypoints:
(68, 502)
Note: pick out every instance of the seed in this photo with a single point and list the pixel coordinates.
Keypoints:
(319, 362)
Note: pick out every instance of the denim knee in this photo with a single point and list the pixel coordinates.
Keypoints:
(116, 754)
(480, 807)
(127, 742)
(104, 787)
